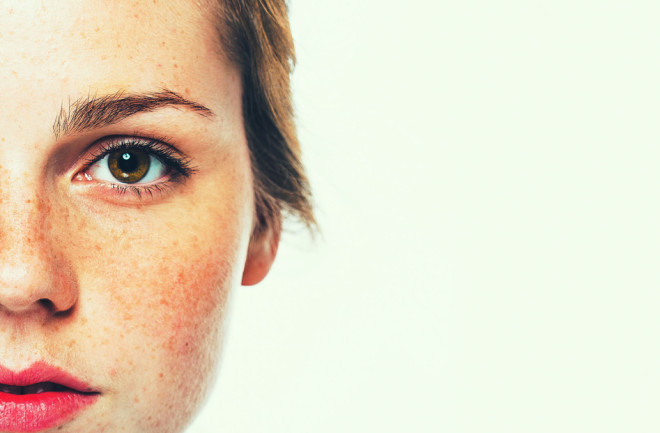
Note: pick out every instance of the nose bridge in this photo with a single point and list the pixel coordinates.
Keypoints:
(23, 224)
(23, 209)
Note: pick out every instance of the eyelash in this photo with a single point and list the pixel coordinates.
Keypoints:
(180, 166)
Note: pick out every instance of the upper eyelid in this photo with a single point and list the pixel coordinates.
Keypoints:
(101, 147)
(178, 161)
(122, 139)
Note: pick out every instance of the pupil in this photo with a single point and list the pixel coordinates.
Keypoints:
(128, 162)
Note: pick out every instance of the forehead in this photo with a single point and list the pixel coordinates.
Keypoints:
(68, 48)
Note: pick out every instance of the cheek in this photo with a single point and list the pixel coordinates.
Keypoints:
(153, 291)
(171, 326)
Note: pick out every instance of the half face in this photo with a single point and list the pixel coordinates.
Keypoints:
(125, 212)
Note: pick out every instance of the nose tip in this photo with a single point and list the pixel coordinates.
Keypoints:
(14, 301)
(26, 286)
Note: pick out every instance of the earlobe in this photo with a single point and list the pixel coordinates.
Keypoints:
(260, 257)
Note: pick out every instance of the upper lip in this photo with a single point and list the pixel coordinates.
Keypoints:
(41, 374)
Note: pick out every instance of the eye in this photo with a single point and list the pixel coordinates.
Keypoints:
(136, 165)
(128, 166)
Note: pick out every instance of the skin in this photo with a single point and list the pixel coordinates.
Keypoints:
(135, 289)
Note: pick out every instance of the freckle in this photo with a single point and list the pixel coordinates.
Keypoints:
(176, 66)
(159, 65)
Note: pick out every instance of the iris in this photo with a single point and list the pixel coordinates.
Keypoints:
(129, 166)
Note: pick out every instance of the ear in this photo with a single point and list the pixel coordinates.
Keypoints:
(261, 254)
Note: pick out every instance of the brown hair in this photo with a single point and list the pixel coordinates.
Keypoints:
(257, 39)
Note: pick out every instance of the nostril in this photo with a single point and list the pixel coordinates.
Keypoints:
(47, 304)
(50, 306)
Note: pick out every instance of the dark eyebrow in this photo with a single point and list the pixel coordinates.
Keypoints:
(96, 112)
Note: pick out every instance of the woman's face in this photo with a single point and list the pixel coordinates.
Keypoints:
(125, 212)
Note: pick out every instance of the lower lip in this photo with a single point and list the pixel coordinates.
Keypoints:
(35, 412)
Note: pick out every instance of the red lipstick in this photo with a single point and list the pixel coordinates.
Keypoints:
(40, 397)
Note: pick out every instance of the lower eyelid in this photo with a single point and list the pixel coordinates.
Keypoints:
(126, 193)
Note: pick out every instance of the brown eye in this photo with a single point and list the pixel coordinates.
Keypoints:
(128, 165)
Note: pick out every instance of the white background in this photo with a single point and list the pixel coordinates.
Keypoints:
(486, 180)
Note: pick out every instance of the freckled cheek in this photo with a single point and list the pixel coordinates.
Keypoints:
(154, 297)
(149, 283)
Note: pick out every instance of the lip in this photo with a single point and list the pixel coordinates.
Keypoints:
(33, 412)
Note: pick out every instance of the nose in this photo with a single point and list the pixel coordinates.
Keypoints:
(34, 277)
